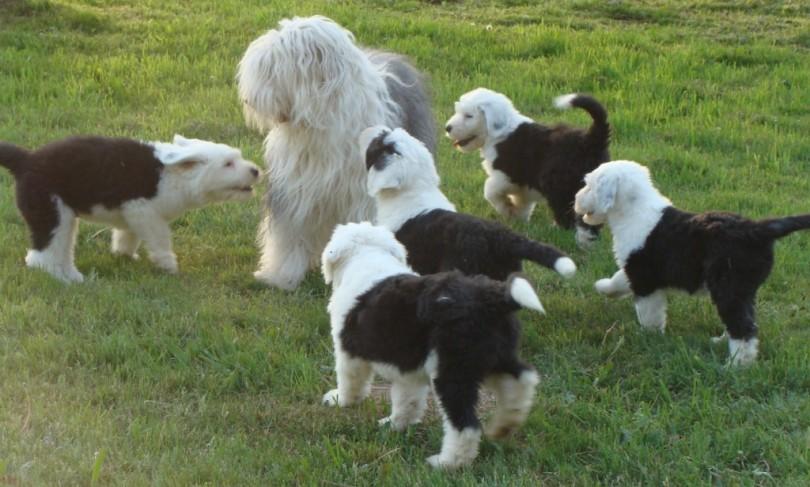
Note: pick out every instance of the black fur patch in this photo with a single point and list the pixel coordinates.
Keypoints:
(378, 151)
(555, 160)
(728, 254)
(82, 172)
(441, 240)
(469, 322)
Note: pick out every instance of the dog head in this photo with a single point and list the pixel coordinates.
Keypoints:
(609, 188)
(359, 240)
(209, 171)
(396, 161)
(481, 115)
(303, 72)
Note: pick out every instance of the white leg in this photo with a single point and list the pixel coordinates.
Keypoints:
(513, 401)
(459, 448)
(125, 242)
(742, 352)
(522, 204)
(496, 191)
(155, 233)
(285, 258)
(652, 311)
(408, 403)
(614, 287)
(353, 381)
(57, 257)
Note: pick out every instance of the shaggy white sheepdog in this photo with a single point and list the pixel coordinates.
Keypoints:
(314, 90)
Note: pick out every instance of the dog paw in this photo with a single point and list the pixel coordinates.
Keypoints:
(166, 262)
(435, 461)
(331, 398)
(603, 286)
(282, 282)
(394, 423)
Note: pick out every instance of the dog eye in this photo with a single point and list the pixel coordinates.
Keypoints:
(229, 164)
(468, 115)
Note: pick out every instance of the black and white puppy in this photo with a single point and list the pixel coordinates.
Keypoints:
(448, 330)
(136, 187)
(526, 161)
(658, 247)
(403, 180)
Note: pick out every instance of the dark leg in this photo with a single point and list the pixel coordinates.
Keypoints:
(462, 430)
(737, 310)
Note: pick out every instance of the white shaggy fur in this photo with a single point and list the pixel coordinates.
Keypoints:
(313, 89)
(195, 175)
(405, 190)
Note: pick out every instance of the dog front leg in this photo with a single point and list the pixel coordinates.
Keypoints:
(125, 242)
(156, 234)
(496, 191)
(614, 287)
(652, 311)
(522, 204)
(285, 259)
(408, 403)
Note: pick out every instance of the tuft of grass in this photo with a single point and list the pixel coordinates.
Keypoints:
(209, 378)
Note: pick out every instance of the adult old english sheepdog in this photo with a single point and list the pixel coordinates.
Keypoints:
(658, 246)
(526, 161)
(135, 187)
(314, 90)
(448, 330)
(402, 178)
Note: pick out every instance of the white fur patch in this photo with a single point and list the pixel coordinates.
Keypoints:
(742, 352)
(563, 102)
(524, 294)
(565, 267)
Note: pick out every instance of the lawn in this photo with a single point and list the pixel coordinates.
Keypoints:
(207, 378)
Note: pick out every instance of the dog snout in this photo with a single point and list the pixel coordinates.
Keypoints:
(448, 128)
(254, 171)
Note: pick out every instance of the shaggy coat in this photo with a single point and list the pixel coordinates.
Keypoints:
(312, 89)
(659, 247)
(447, 330)
(527, 161)
(137, 187)
(403, 178)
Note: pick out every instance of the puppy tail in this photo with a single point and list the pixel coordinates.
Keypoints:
(547, 256)
(599, 132)
(780, 227)
(13, 157)
(523, 294)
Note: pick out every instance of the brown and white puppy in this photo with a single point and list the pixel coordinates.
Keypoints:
(136, 187)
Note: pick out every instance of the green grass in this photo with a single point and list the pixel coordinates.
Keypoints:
(139, 378)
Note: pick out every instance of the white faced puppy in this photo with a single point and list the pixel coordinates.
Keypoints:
(402, 178)
(449, 330)
(527, 161)
(136, 187)
(658, 246)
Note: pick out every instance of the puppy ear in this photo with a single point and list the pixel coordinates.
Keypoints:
(605, 188)
(389, 177)
(496, 118)
(180, 140)
(333, 252)
(181, 158)
(369, 134)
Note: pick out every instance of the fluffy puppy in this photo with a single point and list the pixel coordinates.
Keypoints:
(658, 247)
(402, 178)
(313, 90)
(449, 330)
(526, 161)
(136, 187)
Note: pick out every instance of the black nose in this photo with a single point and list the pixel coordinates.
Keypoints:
(255, 172)
(449, 128)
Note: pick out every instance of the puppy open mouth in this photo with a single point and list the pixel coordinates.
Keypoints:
(242, 189)
(463, 142)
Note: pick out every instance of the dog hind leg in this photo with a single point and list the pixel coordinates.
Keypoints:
(737, 310)
(408, 403)
(125, 242)
(353, 381)
(514, 394)
(462, 430)
(652, 311)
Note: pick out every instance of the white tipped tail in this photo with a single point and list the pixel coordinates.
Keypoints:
(564, 102)
(565, 267)
(523, 293)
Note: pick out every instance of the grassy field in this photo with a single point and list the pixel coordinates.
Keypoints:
(207, 378)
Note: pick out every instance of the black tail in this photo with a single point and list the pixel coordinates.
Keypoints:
(599, 132)
(780, 227)
(546, 256)
(12, 157)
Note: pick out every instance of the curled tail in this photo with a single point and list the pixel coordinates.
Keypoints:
(779, 227)
(522, 293)
(599, 132)
(12, 157)
(547, 256)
